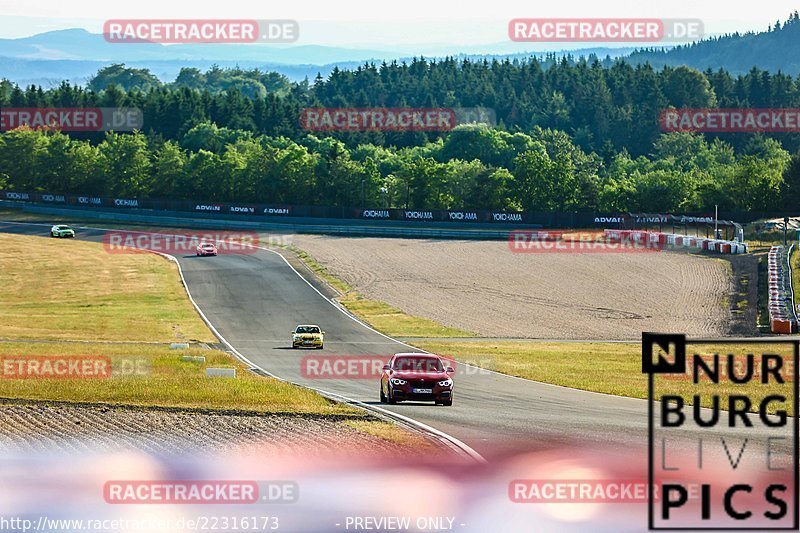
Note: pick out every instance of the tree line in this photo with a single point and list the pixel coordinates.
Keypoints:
(604, 109)
(473, 167)
(571, 135)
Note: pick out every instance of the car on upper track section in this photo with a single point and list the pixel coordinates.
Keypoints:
(308, 336)
(61, 230)
(417, 376)
(206, 248)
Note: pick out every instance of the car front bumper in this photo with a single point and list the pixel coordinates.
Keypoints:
(303, 343)
(407, 392)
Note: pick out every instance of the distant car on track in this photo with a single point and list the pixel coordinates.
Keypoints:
(308, 336)
(61, 231)
(417, 376)
(206, 248)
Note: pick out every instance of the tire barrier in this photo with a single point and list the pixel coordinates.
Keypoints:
(675, 241)
(782, 318)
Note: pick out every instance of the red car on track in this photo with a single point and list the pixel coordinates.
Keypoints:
(417, 376)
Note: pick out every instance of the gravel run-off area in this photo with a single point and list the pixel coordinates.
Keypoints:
(30, 427)
(481, 286)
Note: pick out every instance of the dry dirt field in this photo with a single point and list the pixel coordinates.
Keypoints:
(485, 288)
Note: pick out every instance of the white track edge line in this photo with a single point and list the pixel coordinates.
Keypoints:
(451, 441)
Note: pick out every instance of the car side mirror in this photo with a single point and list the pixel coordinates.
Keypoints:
(323, 333)
(387, 367)
(450, 370)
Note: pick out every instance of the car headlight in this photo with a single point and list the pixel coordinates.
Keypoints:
(295, 336)
(398, 381)
(446, 383)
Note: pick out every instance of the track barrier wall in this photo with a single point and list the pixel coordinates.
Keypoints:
(372, 215)
(782, 318)
(379, 222)
(672, 241)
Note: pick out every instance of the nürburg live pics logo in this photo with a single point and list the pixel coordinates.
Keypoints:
(723, 433)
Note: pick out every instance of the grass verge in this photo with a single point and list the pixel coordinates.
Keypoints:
(146, 375)
(74, 290)
(611, 368)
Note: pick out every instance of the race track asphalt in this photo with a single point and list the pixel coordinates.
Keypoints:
(255, 300)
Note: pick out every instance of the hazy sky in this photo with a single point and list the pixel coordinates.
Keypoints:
(383, 25)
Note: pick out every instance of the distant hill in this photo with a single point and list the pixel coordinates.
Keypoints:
(76, 55)
(50, 73)
(47, 59)
(79, 44)
(773, 50)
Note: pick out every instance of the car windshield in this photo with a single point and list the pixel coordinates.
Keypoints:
(419, 364)
(307, 329)
(62, 227)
